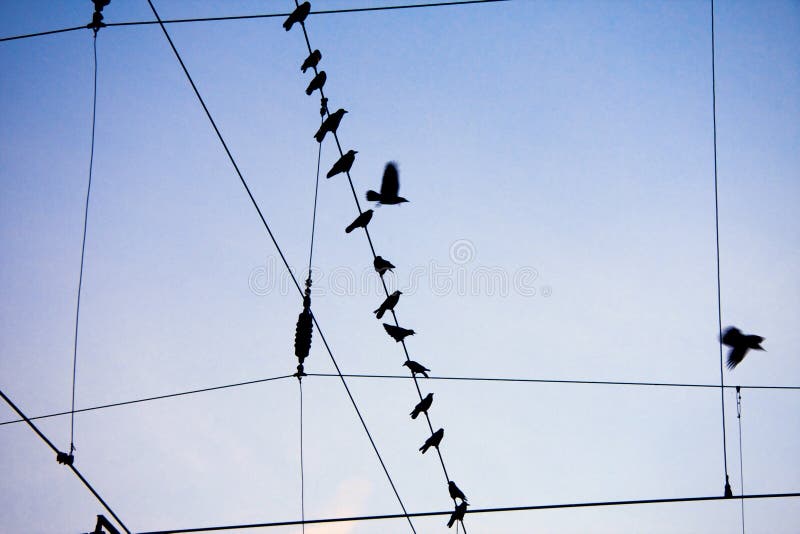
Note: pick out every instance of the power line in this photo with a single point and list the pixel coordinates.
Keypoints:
(278, 248)
(475, 511)
(404, 377)
(259, 16)
(74, 469)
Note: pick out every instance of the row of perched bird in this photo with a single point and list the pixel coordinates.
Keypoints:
(387, 195)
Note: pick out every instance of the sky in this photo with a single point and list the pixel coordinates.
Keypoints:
(558, 158)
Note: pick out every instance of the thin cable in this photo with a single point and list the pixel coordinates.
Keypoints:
(476, 511)
(83, 254)
(741, 464)
(280, 252)
(716, 234)
(74, 469)
(314, 216)
(261, 16)
(302, 471)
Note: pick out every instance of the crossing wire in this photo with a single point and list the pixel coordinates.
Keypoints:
(280, 252)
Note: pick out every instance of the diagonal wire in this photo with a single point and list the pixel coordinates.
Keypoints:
(280, 252)
(74, 469)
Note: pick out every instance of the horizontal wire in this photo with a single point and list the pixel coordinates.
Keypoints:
(476, 511)
(260, 16)
(403, 377)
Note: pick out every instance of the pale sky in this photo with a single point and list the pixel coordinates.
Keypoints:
(558, 160)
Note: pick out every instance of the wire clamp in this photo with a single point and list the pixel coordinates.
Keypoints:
(64, 458)
(323, 106)
(97, 16)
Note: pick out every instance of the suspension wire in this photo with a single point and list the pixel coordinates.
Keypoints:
(70, 465)
(83, 254)
(741, 465)
(260, 16)
(314, 216)
(728, 491)
(475, 511)
(402, 377)
(302, 471)
(280, 252)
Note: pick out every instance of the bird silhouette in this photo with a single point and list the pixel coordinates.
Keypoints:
(388, 304)
(361, 221)
(316, 82)
(343, 164)
(416, 368)
(458, 513)
(399, 334)
(422, 406)
(739, 344)
(390, 185)
(455, 493)
(330, 124)
(298, 15)
(382, 265)
(311, 61)
(433, 441)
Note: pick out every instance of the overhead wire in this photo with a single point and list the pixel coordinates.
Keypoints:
(251, 17)
(741, 453)
(506, 509)
(280, 252)
(70, 465)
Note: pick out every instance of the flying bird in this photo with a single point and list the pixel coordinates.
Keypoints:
(458, 514)
(740, 344)
(455, 493)
(361, 221)
(298, 15)
(343, 164)
(388, 304)
(381, 265)
(422, 406)
(433, 441)
(390, 185)
(331, 124)
(316, 82)
(311, 61)
(399, 334)
(417, 368)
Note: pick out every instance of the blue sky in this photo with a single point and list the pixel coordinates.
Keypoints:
(566, 146)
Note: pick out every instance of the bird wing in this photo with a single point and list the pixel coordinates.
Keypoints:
(736, 356)
(391, 181)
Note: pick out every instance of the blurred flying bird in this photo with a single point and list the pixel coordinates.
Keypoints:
(416, 368)
(740, 344)
(388, 304)
(298, 15)
(331, 124)
(316, 82)
(397, 333)
(458, 514)
(390, 185)
(433, 441)
(455, 493)
(311, 61)
(361, 221)
(343, 164)
(422, 406)
(382, 265)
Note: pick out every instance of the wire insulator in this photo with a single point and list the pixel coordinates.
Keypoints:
(304, 328)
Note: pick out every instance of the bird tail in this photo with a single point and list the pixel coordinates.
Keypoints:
(424, 448)
(351, 227)
(414, 414)
(452, 520)
(425, 374)
(372, 196)
(309, 90)
(320, 135)
(379, 312)
(287, 25)
(330, 174)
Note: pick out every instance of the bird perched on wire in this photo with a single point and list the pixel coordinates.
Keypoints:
(433, 441)
(388, 304)
(361, 221)
(317, 82)
(458, 513)
(739, 344)
(390, 185)
(422, 406)
(398, 333)
(417, 368)
(311, 61)
(381, 265)
(298, 15)
(455, 493)
(343, 164)
(330, 124)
